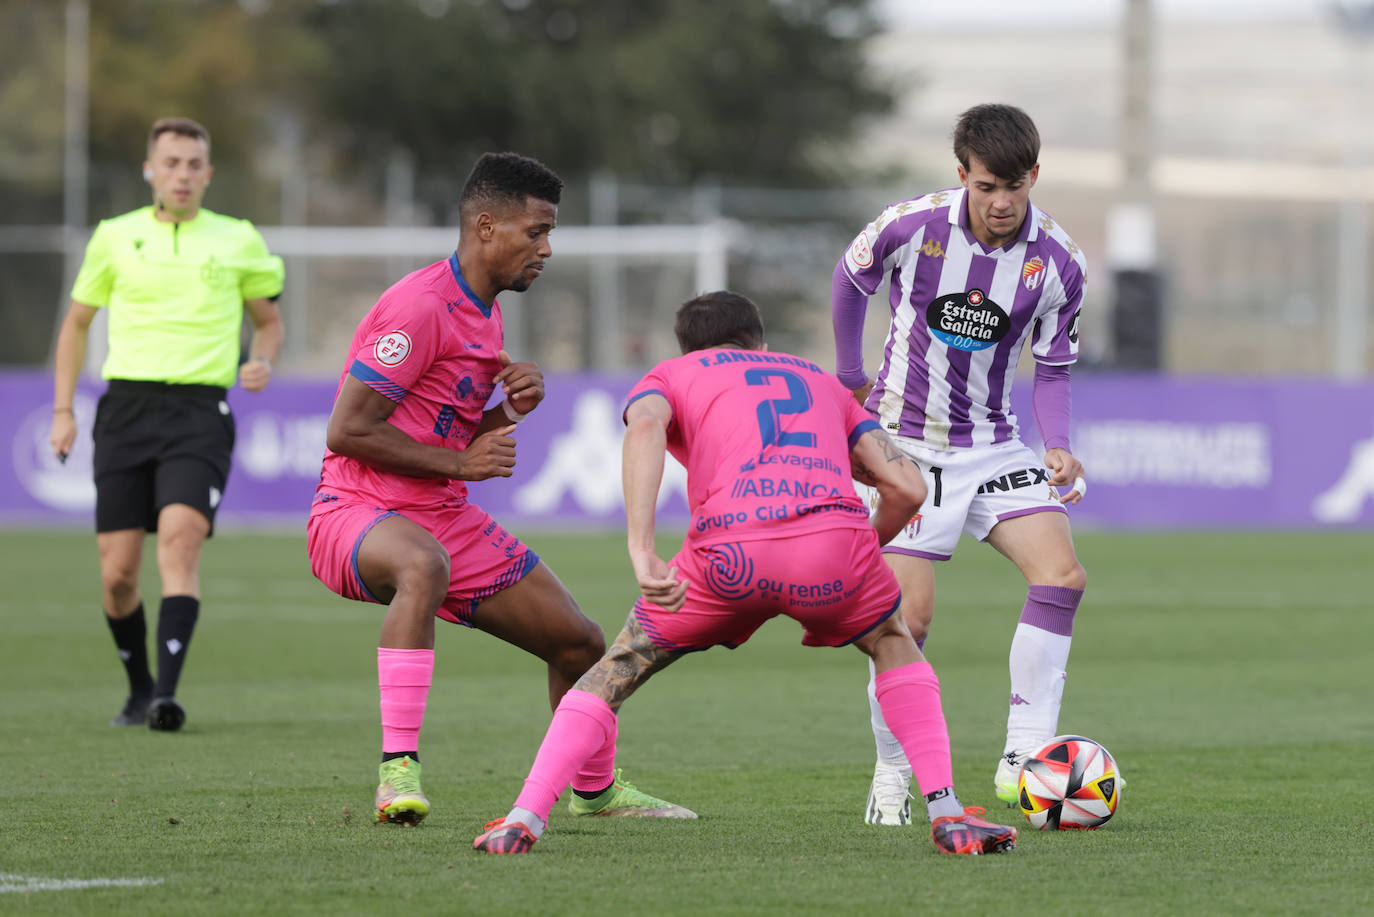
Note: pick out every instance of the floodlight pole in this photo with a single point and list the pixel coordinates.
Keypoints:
(1137, 322)
(1351, 328)
(76, 161)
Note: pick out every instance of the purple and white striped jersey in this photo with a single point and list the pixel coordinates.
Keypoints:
(960, 315)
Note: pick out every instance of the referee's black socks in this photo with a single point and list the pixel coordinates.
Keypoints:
(131, 639)
(175, 622)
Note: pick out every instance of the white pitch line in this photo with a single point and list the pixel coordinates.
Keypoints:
(15, 883)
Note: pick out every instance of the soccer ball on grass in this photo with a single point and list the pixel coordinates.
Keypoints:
(1069, 782)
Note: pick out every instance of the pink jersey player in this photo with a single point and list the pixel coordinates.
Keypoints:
(433, 347)
(770, 442)
(392, 523)
(765, 438)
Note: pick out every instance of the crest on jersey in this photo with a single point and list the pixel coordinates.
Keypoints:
(967, 321)
(392, 348)
(1033, 272)
(861, 251)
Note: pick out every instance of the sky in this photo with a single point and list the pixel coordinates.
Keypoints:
(1056, 13)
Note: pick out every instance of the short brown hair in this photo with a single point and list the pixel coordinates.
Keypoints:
(1003, 137)
(183, 127)
(719, 319)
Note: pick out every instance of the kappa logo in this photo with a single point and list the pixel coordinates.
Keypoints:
(1344, 501)
(582, 464)
(392, 348)
(933, 249)
(1033, 272)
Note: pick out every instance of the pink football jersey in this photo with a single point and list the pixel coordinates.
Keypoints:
(429, 344)
(765, 439)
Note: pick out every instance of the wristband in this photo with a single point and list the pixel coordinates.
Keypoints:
(64, 411)
(514, 415)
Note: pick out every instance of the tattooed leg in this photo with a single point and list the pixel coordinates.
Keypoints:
(628, 663)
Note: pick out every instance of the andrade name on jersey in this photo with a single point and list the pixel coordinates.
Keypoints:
(755, 356)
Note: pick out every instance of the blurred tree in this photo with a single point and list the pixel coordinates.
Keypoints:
(657, 90)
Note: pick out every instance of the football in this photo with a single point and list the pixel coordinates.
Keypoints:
(1069, 782)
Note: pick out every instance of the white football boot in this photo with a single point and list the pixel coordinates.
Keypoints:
(889, 798)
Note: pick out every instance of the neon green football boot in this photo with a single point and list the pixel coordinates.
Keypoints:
(623, 800)
(1006, 783)
(399, 799)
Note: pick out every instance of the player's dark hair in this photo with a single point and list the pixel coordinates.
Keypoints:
(182, 127)
(719, 319)
(505, 179)
(1002, 137)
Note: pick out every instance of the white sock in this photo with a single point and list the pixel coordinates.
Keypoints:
(889, 749)
(1037, 662)
(528, 819)
(944, 805)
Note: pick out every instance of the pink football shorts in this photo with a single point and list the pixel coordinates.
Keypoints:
(484, 557)
(834, 583)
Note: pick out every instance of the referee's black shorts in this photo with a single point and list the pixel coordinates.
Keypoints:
(157, 444)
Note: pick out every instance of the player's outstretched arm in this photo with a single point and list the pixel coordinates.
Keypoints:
(878, 463)
(646, 444)
(358, 428)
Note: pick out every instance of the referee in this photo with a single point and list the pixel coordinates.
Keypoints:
(177, 280)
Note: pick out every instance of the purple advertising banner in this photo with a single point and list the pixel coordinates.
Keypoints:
(1160, 453)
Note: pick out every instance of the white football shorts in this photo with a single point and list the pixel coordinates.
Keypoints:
(969, 490)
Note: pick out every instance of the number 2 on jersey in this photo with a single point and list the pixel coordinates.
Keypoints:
(798, 401)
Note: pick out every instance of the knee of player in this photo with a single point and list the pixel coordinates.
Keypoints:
(425, 570)
(120, 584)
(1072, 576)
(917, 613)
(581, 650)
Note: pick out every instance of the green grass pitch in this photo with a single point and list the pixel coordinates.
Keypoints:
(1232, 676)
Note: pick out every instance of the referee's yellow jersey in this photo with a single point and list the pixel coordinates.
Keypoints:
(175, 292)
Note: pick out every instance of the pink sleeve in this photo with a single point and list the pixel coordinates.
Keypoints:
(857, 420)
(655, 382)
(400, 345)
